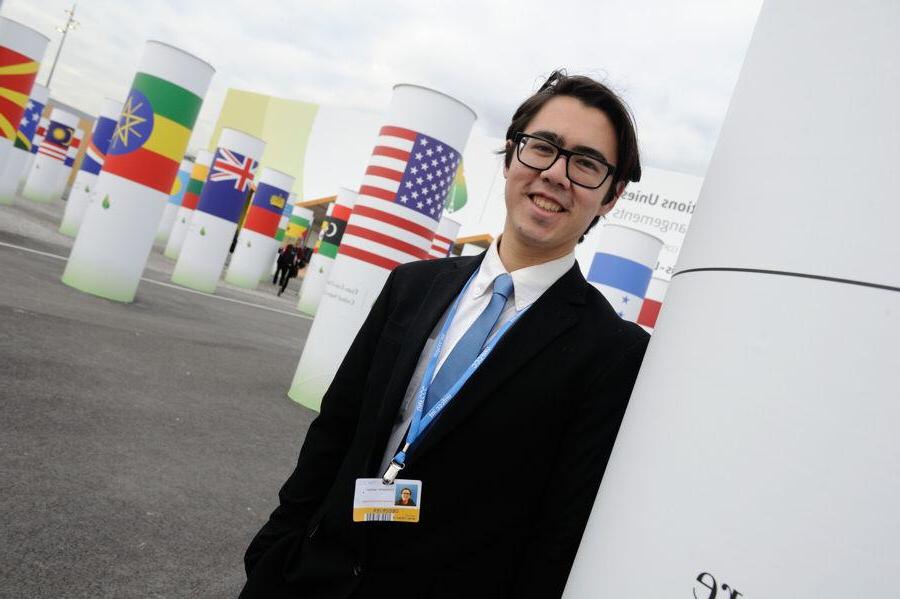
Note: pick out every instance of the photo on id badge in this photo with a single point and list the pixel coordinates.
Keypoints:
(406, 495)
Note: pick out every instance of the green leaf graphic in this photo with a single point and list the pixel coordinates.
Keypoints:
(203, 230)
(105, 202)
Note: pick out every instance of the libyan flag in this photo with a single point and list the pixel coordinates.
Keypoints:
(153, 132)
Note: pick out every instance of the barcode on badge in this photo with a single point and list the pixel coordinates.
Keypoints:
(379, 517)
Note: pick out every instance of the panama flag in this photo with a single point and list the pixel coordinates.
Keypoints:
(226, 187)
(266, 209)
(622, 282)
(401, 198)
(28, 126)
(57, 141)
(153, 131)
(98, 145)
(17, 75)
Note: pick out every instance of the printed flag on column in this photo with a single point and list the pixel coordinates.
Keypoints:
(72, 152)
(57, 141)
(624, 282)
(411, 174)
(17, 75)
(28, 126)
(153, 131)
(195, 186)
(98, 145)
(265, 210)
(39, 134)
(334, 227)
(298, 223)
(226, 188)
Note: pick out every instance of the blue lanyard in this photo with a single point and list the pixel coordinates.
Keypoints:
(420, 420)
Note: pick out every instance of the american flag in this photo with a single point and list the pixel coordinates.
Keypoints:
(440, 247)
(231, 166)
(401, 198)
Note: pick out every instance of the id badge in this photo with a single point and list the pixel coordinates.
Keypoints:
(374, 501)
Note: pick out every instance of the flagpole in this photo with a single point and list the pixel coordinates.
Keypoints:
(71, 23)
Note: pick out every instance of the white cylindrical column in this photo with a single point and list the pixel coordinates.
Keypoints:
(49, 168)
(12, 172)
(443, 238)
(176, 196)
(758, 456)
(148, 145)
(214, 223)
(84, 187)
(623, 266)
(185, 212)
(400, 202)
(256, 242)
(21, 52)
(326, 251)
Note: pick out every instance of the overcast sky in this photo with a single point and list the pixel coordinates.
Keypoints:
(676, 63)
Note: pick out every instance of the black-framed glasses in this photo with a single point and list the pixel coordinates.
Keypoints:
(583, 170)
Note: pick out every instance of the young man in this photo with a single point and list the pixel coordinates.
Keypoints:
(534, 422)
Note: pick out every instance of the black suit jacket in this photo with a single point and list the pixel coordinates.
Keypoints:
(529, 435)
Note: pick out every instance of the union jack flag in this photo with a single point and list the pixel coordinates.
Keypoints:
(230, 166)
(401, 198)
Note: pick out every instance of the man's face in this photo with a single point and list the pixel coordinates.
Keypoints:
(405, 495)
(545, 211)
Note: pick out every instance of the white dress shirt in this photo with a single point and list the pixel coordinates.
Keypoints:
(528, 285)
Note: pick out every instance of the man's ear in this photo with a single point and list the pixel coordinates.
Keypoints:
(605, 208)
(505, 154)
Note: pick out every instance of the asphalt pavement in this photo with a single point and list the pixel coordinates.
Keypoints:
(141, 445)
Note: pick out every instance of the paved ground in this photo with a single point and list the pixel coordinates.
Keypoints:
(141, 445)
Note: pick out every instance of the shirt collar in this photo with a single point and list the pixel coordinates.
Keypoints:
(528, 283)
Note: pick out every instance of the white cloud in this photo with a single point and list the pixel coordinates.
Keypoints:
(675, 63)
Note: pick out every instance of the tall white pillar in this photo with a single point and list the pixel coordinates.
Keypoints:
(758, 456)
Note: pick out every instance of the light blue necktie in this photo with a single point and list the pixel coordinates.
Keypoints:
(471, 343)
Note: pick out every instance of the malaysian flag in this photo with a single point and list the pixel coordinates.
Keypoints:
(56, 141)
(230, 166)
(401, 198)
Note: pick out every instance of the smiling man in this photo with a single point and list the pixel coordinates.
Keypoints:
(493, 384)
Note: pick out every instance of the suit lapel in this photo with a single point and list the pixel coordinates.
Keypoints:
(443, 290)
(550, 316)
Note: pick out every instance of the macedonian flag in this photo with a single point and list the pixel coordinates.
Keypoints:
(153, 132)
(17, 74)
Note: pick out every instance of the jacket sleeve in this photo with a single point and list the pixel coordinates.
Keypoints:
(327, 440)
(581, 460)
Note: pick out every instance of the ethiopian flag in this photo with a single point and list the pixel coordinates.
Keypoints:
(17, 75)
(153, 132)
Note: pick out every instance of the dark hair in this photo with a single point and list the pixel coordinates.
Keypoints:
(590, 93)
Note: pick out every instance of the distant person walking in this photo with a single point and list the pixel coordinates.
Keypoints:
(286, 257)
(297, 262)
